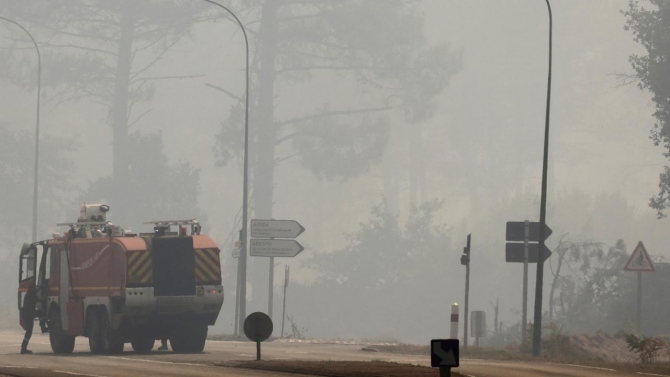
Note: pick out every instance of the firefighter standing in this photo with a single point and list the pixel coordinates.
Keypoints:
(28, 314)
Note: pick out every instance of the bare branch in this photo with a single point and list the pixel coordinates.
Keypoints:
(81, 48)
(327, 68)
(280, 160)
(139, 117)
(154, 61)
(334, 113)
(625, 79)
(285, 138)
(233, 96)
(145, 79)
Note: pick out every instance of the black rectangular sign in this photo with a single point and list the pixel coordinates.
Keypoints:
(444, 353)
(514, 252)
(516, 231)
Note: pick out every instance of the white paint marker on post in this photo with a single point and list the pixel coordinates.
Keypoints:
(453, 334)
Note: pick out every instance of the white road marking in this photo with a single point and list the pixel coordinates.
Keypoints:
(160, 362)
(16, 366)
(78, 374)
(588, 367)
(652, 374)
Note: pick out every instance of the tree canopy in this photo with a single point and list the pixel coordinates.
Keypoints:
(651, 28)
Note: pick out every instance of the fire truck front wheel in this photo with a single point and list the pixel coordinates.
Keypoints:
(60, 342)
(93, 329)
(112, 343)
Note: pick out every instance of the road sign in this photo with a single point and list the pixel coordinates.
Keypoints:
(444, 353)
(258, 327)
(639, 261)
(514, 252)
(276, 228)
(516, 231)
(274, 248)
(478, 323)
(236, 253)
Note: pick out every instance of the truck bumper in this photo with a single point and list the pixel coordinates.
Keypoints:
(141, 301)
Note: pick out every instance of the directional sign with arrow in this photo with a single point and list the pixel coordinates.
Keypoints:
(514, 252)
(444, 353)
(276, 228)
(516, 231)
(274, 248)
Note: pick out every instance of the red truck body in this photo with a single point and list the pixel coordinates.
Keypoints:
(123, 288)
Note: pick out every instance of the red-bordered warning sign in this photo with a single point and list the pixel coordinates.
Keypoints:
(639, 261)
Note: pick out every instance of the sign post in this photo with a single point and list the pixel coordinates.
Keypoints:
(274, 238)
(524, 313)
(639, 262)
(258, 328)
(526, 252)
(465, 260)
(283, 316)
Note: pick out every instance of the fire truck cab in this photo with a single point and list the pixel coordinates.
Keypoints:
(115, 287)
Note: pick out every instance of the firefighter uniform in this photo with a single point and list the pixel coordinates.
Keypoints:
(28, 314)
(163, 346)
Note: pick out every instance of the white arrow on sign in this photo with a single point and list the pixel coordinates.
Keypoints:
(276, 228)
(274, 248)
(447, 357)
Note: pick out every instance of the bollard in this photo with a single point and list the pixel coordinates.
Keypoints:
(453, 334)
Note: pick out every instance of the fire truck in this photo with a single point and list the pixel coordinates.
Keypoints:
(114, 286)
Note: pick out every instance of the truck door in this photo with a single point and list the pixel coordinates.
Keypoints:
(43, 276)
(27, 270)
(64, 288)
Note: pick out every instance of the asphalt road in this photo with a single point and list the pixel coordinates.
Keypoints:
(81, 363)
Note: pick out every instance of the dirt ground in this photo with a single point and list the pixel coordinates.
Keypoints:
(342, 368)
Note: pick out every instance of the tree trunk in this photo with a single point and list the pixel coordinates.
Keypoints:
(264, 128)
(119, 112)
(561, 254)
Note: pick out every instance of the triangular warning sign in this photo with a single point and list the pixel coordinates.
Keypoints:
(639, 260)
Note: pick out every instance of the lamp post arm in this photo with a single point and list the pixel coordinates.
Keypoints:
(37, 124)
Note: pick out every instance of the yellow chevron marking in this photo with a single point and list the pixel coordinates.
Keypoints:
(204, 268)
(142, 270)
(138, 263)
(201, 277)
(212, 261)
(134, 256)
(147, 278)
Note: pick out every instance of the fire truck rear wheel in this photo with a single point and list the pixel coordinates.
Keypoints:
(111, 339)
(60, 342)
(190, 339)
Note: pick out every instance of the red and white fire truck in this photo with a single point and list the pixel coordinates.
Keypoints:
(114, 286)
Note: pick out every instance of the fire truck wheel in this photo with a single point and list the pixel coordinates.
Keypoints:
(198, 337)
(60, 342)
(93, 328)
(190, 339)
(111, 339)
(143, 344)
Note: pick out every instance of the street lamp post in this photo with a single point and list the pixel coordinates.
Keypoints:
(242, 261)
(37, 125)
(537, 329)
